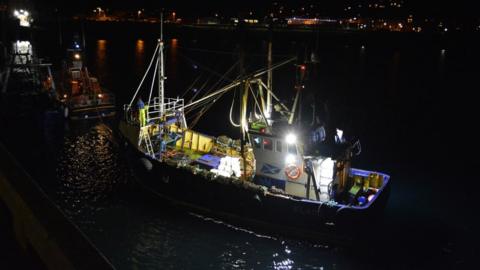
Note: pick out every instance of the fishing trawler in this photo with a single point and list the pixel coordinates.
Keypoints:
(273, 177)
(82, 95)
(26, 81)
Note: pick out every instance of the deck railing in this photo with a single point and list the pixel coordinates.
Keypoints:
(171, 106)
(92, 100)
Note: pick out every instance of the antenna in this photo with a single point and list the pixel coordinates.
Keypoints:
(161, 25)
(161, 69)
(269, 80)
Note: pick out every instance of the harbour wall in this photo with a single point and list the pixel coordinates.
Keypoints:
(41, 230)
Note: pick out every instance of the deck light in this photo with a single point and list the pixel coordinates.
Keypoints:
(77, 56)
(291, 138)
(23, 16)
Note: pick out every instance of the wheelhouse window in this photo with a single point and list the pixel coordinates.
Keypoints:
(257, 142)
(278, 146)
(267, 144)
(292, 149)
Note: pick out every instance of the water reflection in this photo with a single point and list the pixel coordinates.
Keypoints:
(174, 46)
(173, 58)
(88, 169)
(139, 56)
(283, 265)
(441, 61)
(165, 241)
(101, 58)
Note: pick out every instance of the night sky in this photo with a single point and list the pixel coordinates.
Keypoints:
(446, 9)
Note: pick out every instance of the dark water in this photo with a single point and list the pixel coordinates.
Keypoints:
(409, 104)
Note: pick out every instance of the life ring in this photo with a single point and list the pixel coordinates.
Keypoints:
(292, 172)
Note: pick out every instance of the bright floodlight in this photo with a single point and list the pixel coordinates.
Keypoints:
(291, 138)
(289, 159)
(339, 137)
(23, 17)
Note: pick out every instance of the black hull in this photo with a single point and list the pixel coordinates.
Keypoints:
(238, 204)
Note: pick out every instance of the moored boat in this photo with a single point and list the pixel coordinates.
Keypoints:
(274, 177)
(26, 81)
(82, 94)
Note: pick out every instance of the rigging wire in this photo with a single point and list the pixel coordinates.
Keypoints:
(224, 89)
(191, 86)
(215, 85)
(206, 105)
(231, 110)
(199, 105)
(145, 75)
(201, 88)
(258, 105)
(207, 101)
(204, 110)
(153, 82)
(358, 147)
(256, 95)
(202, 66)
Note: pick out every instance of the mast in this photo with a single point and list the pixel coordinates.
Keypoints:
(161, 70)
(269, 81)
(294, 107)
(298, 87)
(243, 98)
(84, 45)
